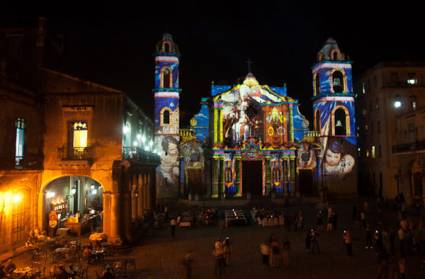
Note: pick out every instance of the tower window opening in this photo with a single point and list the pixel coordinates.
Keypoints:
(166, 47)
(340, 122)
(334, 55)
(338, 82)
(166, 117)
(166, 78)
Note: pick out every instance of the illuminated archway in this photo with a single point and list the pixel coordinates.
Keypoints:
(340, 116)
(77, 202)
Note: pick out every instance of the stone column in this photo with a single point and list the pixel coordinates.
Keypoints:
(115, 220)
(145, 192)
(134, 199)
(126, 215)
(140, 208)
(148, 194)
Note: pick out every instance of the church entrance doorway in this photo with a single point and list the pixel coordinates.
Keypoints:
(306, 181)
(252, 175)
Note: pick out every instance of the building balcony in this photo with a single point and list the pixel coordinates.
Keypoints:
(411, 147)
(82, 154)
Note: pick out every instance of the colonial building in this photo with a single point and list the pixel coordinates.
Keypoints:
(250, 140)
(75, 154)
(391, 127)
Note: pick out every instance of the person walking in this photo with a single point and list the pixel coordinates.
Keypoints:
(187, 263)
(314, 239)
(265, 253)
(348, 242)
(369, 237)
(308, 240)
(300, 221)
(173, 224)
(226, 249)
(218, 253)
(402, 268)
(363, 219)
(329, 225)
(319, 220)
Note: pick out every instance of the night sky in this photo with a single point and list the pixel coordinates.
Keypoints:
(115, 48)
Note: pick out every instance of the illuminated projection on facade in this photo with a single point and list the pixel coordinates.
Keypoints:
(334, 113)
(255, 134)
(250, 140)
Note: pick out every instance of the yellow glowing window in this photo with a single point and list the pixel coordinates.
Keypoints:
(373, 152)
(79, 130)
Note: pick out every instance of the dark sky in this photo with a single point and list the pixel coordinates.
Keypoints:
(115, 47)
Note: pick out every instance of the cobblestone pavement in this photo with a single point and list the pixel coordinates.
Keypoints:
(160, 255)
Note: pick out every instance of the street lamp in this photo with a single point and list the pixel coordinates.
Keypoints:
(397, 102)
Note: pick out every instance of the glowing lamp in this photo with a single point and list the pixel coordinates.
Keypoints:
(125, 129)
(73, 191)
(17, 198)
(94, 192)
(50, 194)
(135, 143)
(397, 104)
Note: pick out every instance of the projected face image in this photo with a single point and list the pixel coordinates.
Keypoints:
(336, 162)
(332, 159)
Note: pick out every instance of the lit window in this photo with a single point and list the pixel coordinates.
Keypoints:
(79, 131)
(412, 81)
(363, 88)
(367, 153)
(372, 151)
(20, 141)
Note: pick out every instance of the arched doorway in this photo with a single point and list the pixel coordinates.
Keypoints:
(73, 203)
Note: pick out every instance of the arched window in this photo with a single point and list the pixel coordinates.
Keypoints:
(317, 84)
(334, 55)
(166, 117)
(317, 125)
(166, 47)
(338, 82)
(166, 78)
(20, 141)
(276, 177)
(340, 122)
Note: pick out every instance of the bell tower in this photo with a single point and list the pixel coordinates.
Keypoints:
(334, 113)
(167, 95)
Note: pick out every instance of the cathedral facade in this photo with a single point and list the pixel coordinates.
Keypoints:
(250, 140)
